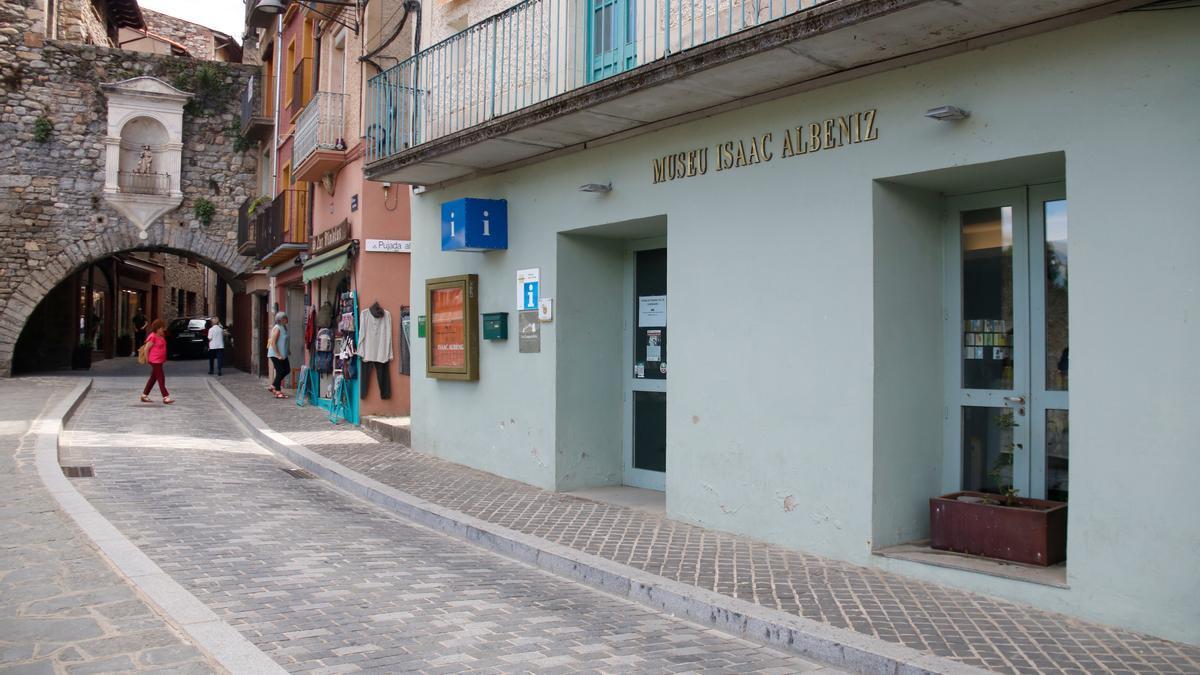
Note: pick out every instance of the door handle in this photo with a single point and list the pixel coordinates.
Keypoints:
(1018, 400)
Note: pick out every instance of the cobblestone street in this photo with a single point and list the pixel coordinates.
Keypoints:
(322, 582)
(62, 608)
(971, 628)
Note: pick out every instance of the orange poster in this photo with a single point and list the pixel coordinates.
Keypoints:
(448, 328)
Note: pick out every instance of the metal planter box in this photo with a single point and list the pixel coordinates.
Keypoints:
(1035, 535)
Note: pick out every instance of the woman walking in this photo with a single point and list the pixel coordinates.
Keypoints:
(277, 350)
(156, 356)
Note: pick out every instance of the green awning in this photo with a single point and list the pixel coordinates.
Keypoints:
(329, 262)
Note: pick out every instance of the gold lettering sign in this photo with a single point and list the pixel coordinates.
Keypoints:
(803, 139)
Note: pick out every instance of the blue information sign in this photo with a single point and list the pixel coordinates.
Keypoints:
(470, 224)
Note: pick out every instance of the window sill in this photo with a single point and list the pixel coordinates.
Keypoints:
(920, 552)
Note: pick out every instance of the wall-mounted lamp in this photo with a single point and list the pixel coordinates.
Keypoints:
(596, 187)
(270, 6)
(947, 112)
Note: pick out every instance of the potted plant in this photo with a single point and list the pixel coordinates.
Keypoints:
(124, 344)
(1004, 526)
(82, 358)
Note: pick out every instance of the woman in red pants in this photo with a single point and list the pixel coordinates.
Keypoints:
(156, 356)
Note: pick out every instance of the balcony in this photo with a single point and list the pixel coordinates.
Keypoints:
(256, 110)
(246, 220)
(319, 146)
(300, 90)
(281, 230)
(547, 76)
(135, 183)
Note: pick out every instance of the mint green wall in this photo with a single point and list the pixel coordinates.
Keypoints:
(775, 387)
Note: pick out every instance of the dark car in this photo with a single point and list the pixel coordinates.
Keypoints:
(187, 337)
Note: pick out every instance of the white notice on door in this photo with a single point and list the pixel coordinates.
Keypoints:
(652, 311)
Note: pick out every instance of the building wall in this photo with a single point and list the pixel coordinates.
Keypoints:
(196, 38)
(52, 219)
(81, 22)
(799, 287)
(190, 277)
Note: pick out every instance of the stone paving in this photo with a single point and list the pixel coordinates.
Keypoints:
(323, 582)
(62, 608)
(974, 629)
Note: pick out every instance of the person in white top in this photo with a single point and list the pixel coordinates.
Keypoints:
(216, 345)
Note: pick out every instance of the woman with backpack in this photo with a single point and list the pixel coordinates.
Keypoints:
(156, 355)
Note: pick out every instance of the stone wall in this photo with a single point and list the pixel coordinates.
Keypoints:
(180, 274)
(196, 38)
(53, 219)
(79, 21)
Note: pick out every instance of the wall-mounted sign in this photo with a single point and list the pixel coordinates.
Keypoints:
(452, 350)
(389, 246)
(421, 326)
(470, 224)
(528, 282)
(353, 203)
(331, 238)
(805, 139)
(529, 336)
(546, 310)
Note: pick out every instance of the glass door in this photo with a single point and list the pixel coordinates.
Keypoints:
(1006, 336)
(645, 397)
(611, 30)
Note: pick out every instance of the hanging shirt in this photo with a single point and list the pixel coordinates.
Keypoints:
(375, 336)
(216, 337)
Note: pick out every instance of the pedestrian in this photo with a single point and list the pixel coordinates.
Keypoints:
(139, 328)
(156, 356)
(277, 350)
(216, 345)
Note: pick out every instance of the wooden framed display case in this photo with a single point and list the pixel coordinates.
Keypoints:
(452, 344)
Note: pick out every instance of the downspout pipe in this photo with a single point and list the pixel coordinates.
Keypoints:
(275, 131)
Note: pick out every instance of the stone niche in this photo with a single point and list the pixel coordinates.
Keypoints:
(143, 149)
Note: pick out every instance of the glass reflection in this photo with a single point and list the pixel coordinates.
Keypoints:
(987, 298)
(1057, 355)
(1058, 435)
(987, 447)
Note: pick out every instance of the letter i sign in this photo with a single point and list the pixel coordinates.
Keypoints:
(487, 232)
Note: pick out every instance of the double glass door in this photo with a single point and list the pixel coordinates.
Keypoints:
(611, 45)
(1007, 413)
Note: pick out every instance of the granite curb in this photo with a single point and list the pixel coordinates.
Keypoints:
(215, 638)
(805, 637)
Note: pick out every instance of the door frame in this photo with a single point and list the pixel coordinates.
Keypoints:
(956, 396)
(642, 478)
(623, 55)
(1029, 337)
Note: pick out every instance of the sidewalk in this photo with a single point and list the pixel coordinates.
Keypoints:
(63, 609)
(972, 629)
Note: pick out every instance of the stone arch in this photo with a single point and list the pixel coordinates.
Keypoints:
(212, 248)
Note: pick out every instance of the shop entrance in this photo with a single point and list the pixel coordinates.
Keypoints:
(645, 391)
(1007, 412)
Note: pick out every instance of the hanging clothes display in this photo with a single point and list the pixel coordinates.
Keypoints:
(375, 348)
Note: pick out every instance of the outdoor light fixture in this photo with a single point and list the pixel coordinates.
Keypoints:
(596, 187)
(942, 112)
(270, 6)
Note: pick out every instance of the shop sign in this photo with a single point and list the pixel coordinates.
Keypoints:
(331, 238)
(389, 246)
(804, 139)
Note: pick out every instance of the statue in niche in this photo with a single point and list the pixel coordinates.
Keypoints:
(145, 160)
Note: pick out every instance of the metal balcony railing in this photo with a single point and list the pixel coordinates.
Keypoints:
(537, 50)
(283, 222)
(136, 183)
(300, 93)
(253, 103)
(321, 126)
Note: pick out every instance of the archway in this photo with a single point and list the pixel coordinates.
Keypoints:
(211, 248)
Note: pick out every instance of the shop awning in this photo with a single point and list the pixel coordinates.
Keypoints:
(329, 262)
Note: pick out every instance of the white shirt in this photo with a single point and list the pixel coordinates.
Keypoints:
(216, 337)
(375, 337)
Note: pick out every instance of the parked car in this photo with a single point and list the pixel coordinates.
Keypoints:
(187, 337)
